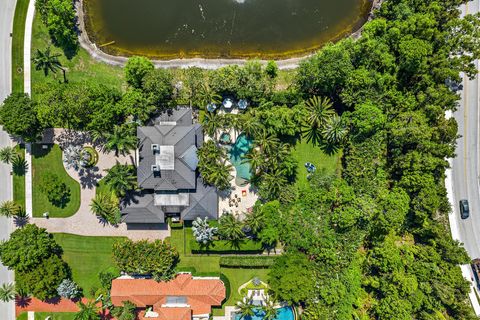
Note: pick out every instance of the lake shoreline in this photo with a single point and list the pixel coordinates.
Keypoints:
(205, 63)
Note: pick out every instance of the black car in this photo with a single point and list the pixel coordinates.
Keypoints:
(464, 209)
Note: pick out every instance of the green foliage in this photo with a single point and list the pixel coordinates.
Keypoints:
(125, 312)
(136, 69)
(7, 292)
(230, 228)
(55, 189)
(18, 117)
(212, 165)
(247, 262)
(156, 258)
(226, 246)
(271, 69)
(9, 209)
(27, 247)
(43, 280)
(292, 278)
(106, 207)
(121, 179)
(60, 19)
(158, 87)
(88, 311)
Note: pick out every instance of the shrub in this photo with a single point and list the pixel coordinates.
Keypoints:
(68, 289)
(175, 225)
(106, 278)
(136, 69)
(247, 262)
(56, 191)
(202, 231)
(225, 246)
(156, 258)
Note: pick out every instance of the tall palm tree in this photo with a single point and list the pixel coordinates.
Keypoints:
(269, 308)
(9, 209)
(255, 220)
(230, 228)
(8, 155)
(250, 124)
(46, 61)
(335, 130)
(246, 307)
(212, 122)
(267, 142)
(255, 159)
(206, 95)
(121, 140)
(88, 311)
(7, 292)
(121, 178)
(319, 110)
(274, 181)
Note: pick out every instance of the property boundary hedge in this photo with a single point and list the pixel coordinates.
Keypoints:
(224, 246)
(247, 262)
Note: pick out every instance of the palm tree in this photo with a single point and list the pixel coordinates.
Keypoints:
(88, 311)
(8, 155)
(274, 181)
(7, 292)
(9, 209)
(255, 159)
(230, 228)
(246, 307)
(212, 122)
(249, 124)
(121, 178)
(206, 95)
(319, 110)
(269, 308)
(121, 140)
(105, 206)
(46, 61)
(335, 130)
(267, 142)
(255, 220)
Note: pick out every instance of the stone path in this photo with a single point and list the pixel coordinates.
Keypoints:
(84, 222)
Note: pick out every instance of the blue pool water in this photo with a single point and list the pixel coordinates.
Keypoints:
(284, 313)
(237, 153)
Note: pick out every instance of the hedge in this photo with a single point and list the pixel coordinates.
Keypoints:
(224, 246)
(247, 262)
(175, 225)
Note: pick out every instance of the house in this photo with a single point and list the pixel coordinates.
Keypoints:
(183, 298)
(167, 172)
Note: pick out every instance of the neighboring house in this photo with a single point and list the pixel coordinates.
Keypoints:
(183, 298)
(167, 172)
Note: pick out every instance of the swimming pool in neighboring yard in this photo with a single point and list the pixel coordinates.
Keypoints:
(284, 313)
(237, 153)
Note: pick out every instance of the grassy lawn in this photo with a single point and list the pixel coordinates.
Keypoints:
(53, 316)
(19, 180)
(50, 160)
(306, 152)
(17, 44)
(210, 263)
(87, 256)
(82, 67)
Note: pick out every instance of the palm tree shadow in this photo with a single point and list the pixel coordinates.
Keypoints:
(19, 166)
(21, 221)
(23, 301)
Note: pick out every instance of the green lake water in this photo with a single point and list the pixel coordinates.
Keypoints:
(220, 28)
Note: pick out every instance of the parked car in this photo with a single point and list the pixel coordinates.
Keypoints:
(464, 209)
(476, 270)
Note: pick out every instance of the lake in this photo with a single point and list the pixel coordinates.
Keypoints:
(168, 29)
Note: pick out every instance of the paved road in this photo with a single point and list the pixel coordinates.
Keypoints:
(7, 10)
(465, 167)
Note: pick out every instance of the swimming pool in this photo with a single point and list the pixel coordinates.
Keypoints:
(284, 313)
(237, 153)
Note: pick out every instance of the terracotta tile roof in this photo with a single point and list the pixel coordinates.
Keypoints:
(175, 313)
(200, 293)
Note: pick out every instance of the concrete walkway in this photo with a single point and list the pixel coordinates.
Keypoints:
(84, 222)
(27, 89)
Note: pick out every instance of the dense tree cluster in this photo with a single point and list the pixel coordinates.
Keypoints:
(36, 259)
(157, 258)
(375, 237)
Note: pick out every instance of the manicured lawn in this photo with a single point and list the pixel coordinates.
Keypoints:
(50, 160)
(53, 316)
(210, 263)
(306, 152)
(82, 67)
(19, 180)
(17, 44)
(87, 257)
